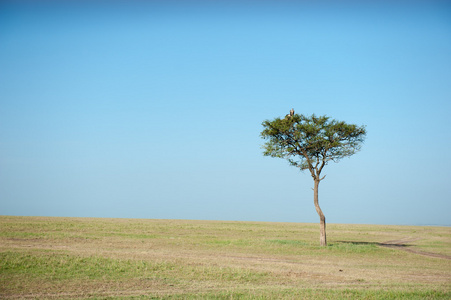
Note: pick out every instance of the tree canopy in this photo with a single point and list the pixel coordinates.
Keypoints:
(310, 142)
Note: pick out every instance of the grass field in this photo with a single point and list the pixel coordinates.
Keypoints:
(67, 258)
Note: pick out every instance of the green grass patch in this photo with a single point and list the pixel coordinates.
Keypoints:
(288, 242)
(130, 235)
(59, 266)
(353, 247)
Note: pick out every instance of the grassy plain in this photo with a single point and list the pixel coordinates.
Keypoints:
(69, 258)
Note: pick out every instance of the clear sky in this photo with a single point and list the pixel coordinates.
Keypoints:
(137, 110)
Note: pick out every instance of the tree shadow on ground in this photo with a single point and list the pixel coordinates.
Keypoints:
(401, 245)
(384, 244)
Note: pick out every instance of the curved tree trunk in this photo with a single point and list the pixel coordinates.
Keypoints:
(322, 219)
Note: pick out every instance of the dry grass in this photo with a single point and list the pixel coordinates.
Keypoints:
(107, 258)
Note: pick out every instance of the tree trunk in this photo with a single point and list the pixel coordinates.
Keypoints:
(322, 238)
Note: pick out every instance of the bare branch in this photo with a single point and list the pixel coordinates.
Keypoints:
(322, 165)
(309, 162)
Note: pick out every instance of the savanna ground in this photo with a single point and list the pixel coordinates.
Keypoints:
(67, 258)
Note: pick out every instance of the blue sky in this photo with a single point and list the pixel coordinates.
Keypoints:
(137, 110)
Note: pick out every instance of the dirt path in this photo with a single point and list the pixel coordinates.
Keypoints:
(402, 245)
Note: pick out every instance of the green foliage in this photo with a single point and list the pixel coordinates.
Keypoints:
(310, 142)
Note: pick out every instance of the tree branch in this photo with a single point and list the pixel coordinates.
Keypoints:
(322, 165)
(310, 166)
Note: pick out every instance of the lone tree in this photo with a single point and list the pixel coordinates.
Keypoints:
(310, 143)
